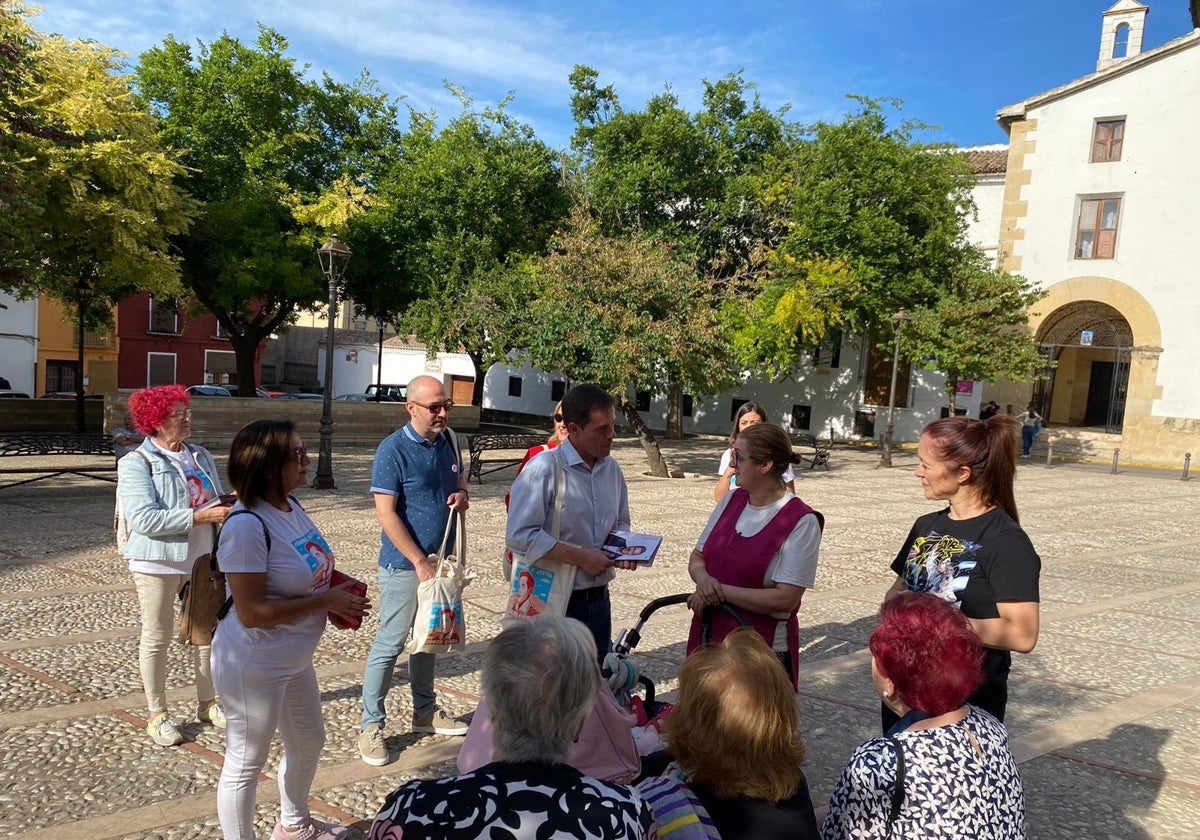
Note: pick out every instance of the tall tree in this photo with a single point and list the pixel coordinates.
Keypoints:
(881, 220)
(264, 142)
(460, 211)
(691, 179)
(620, 311)
(978, 329)
(95, 193)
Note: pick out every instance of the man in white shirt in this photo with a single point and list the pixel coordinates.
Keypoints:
(595, 501)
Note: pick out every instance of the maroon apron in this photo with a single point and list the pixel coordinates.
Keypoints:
(735, 560)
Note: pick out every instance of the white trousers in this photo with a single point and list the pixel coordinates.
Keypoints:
(157, 596)
(255, 707)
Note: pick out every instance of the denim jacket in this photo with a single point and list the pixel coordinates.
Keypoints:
(155, 502)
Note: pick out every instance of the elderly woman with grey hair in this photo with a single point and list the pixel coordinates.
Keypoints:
(541, 681)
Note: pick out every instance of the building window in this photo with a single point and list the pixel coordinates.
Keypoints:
(879, 377)
(1107, 140)
(558, 390)
(643, 400)
(514, 386)
(164, 316)
(802, 417)
(220, 331)
(220, 367)
(1096, 238)
(160, 369)
(688, 405)
(1121, 41)
(828, 353)
(60, 375)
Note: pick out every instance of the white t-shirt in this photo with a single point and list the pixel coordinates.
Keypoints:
(795, 562)
(299, 563)
(200, 487)
(788, 475)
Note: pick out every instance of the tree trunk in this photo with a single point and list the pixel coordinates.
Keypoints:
(477, 390)
(654, 457)
(674, 411)
(245, 348)
(952, 392)
(80, 417)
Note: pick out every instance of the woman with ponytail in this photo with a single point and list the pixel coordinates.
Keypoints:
(973, 553)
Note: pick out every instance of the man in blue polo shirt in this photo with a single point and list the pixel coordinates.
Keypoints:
(417, 480)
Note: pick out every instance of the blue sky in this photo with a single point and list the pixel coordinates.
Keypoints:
(953, 62)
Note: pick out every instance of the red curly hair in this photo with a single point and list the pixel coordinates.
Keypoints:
(150, 407)
(925, 645)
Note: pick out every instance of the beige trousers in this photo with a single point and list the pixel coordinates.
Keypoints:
(157, 596)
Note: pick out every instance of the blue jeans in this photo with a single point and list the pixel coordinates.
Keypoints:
(397, 607)
(596, 613)
(1028, 433)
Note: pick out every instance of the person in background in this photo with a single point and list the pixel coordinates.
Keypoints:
(126, 437)
(990, 410)
(160, 510)
(546, 663)
(960, 780)
(973, 553)
(263, 649)
(748, 414)
(759, 549)
(557, 437)
(1031, 424)
(418, 483)
(732, 734)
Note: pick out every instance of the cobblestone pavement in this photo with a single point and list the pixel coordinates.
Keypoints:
(1104, 715)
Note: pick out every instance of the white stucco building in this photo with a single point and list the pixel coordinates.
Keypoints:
(18, 342)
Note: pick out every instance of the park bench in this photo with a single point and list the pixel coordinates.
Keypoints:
(54, 444)
(819, 457)
(512, 449)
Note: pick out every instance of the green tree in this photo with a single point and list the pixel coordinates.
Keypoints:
(95, 194)
(279, 160)
(460, 211)
(691, 179)
(620, 312)
(978, 329)
(875, 222)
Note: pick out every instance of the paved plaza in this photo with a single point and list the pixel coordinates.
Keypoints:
(1104, 715)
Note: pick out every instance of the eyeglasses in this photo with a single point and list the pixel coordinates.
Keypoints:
(185, 414)
(558, 418)
(436, 408)
(300, 452)
(736, 456)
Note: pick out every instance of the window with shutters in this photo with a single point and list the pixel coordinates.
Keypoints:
(1096, 232)
(1107, 140)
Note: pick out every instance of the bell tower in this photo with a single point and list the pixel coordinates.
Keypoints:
(1121, 32)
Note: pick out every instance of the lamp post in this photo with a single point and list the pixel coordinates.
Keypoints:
(333, 256)
(885, 456)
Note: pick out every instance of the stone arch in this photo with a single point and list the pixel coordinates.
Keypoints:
(1126, 339)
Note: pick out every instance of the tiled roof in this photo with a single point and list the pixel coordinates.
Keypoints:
(987, 161)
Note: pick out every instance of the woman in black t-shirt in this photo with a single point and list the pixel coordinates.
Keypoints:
(974, 553)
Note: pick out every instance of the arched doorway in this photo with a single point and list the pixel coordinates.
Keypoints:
(1092, 345)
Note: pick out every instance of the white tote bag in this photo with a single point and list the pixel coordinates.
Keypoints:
(440, 624)
(543, 587)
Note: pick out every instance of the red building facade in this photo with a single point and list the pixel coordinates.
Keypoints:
(161, 345)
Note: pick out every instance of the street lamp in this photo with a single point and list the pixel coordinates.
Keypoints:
(885, 456)
(333, 256)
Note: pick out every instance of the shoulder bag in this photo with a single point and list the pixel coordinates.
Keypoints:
(543, 587)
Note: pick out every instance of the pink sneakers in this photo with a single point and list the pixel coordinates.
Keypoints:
(311, 830)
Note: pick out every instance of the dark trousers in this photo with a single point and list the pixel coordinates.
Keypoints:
(594, 609)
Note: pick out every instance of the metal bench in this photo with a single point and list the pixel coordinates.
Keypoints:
(51, 444)
(820, 451)
(477, 445)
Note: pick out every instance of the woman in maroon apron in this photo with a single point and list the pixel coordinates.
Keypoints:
(759, 550)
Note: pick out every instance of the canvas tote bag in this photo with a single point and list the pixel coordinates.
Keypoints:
(440, 623)
(543, 587)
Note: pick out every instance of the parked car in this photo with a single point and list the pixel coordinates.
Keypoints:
(13, 395)
(299, 397)
(385, 392)
(69, 395)
(262, 392)
(209, 391)
(352, 398)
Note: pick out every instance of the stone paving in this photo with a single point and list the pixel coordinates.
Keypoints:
(1104, 715)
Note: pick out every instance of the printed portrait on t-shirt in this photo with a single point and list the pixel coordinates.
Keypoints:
(941, 564)
(200, 489)
(316, 553)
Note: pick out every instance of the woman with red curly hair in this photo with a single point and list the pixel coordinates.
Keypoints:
(944, 769)
(163, 487)
(973, 553)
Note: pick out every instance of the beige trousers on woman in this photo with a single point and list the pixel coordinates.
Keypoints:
(157, 596)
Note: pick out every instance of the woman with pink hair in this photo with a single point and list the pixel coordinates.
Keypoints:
(162, 487)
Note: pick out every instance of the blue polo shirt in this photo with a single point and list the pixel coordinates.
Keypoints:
(421, 475)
